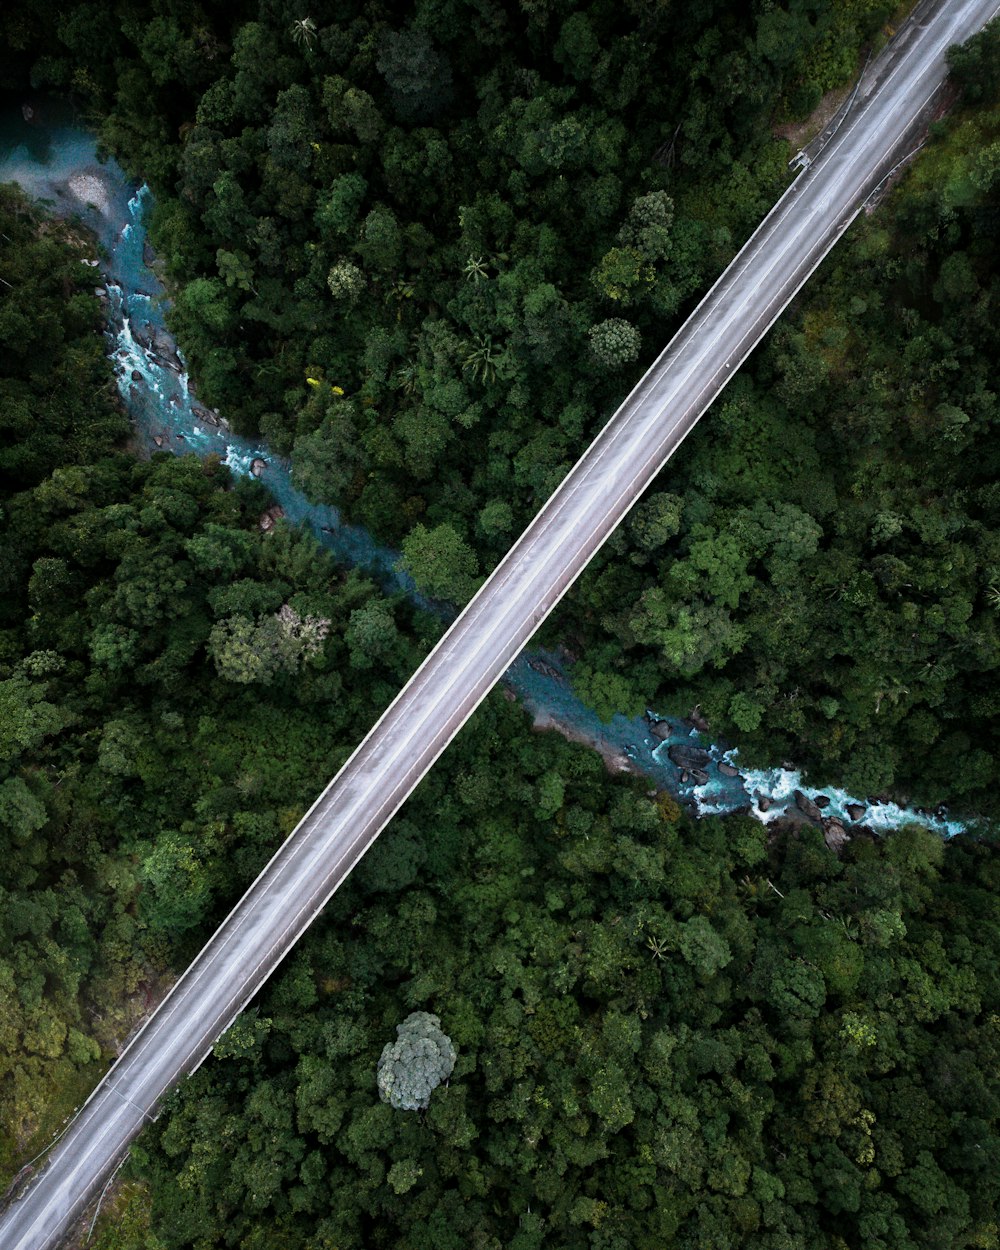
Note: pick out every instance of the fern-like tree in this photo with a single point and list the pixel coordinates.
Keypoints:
(303, 31)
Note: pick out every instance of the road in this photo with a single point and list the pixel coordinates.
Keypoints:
(624, 458)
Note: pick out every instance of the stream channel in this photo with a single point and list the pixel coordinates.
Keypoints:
(54, 159)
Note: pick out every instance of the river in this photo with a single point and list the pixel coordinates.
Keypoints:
(55, 160)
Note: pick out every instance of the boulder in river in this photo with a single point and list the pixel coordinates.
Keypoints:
(257, 466)
(763, 802)
(201, 413)
(165, 349)
(158, 439)
(835, 835)
(822, 800)
(136, 375)
(268, 517)
(685, 756)
(856, 811)
(807, 806)
(660, 729)
(728, 770)
(699, 776)
(157, 340)
(141, 333)
(698, 720)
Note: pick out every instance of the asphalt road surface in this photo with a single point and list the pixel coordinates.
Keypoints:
(480, 645)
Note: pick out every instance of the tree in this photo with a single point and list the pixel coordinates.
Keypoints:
(247, 652)
(623, 275)
(974, 65)
(441, 563)
(346, 282)
(577, 46)
(178, 890)
(381, 242)
(21, 811)
(655, 519)
(303, 31)
(328, 464)
(418, 77)
(647, 227)
(704, 949)
(338, 211)
(27, 717)
(413, 1066)
(615, 343)
(371, 635)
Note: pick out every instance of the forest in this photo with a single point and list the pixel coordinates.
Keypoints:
(425, 253)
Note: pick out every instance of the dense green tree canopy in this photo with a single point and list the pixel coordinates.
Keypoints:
(426, 257)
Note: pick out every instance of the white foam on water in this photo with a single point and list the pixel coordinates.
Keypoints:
(239, 461)
(779, 785)
(707, 808)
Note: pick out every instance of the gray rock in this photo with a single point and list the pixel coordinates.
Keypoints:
(807, 806)
(835, 835)
(201, 413)
(696, 719)
(763, 802)
(685, 756)
(660, 729)
(169, 359)
(140, 332)
(699, 776)
(257, 466)
(856, 811)
(158, 341)
(268, 517)
(685, 777)
(822, 800)
(728, 770)
(136, 375)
